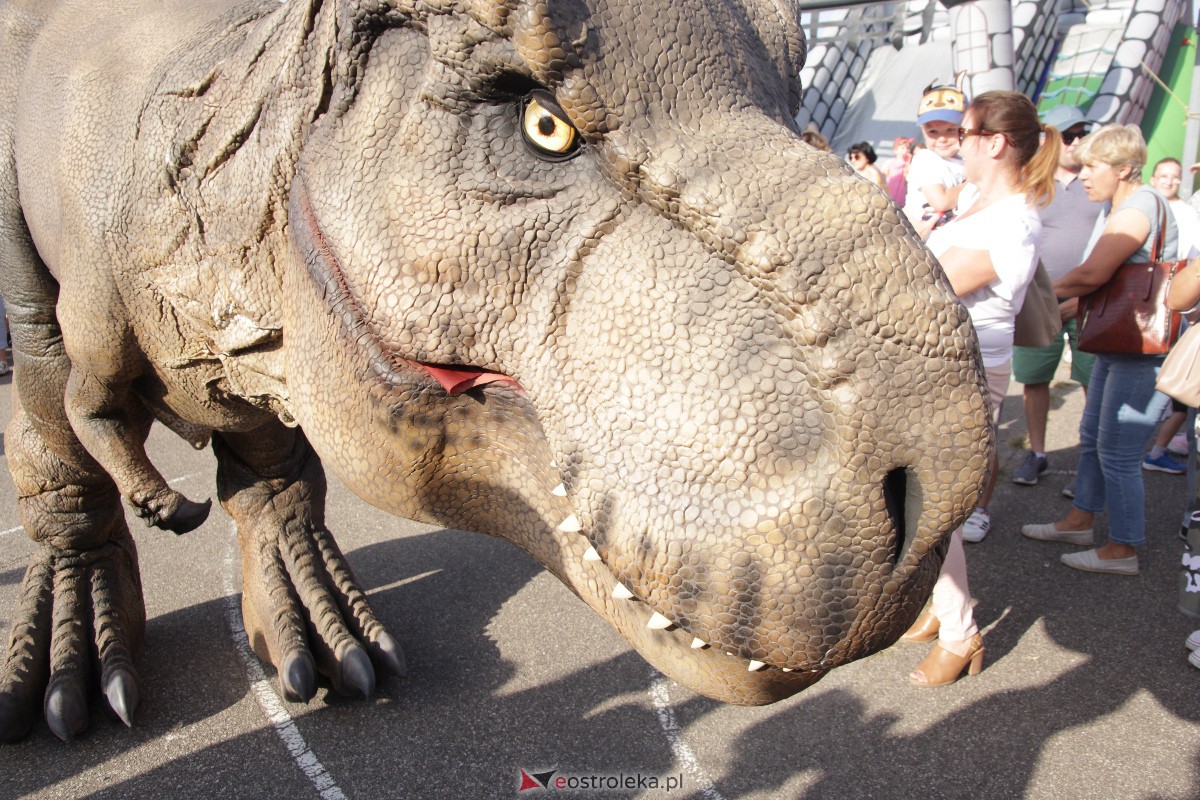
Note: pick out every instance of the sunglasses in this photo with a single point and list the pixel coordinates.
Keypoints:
(963, 133)
(1071, 138)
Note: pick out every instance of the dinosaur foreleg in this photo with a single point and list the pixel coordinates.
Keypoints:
(81, 594)
(112, 423)
(302, 609)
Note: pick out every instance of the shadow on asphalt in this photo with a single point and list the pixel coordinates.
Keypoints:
(444, 728)
(467, 718)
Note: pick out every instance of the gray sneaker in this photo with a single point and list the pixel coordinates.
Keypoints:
(1090, 561)
(1048, 533)
(1033, 466)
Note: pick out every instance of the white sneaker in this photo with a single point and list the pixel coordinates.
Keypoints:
(975, 529)
(1193, 641)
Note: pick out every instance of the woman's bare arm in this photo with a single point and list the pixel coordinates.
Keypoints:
(1184, 293)
(967, 269)
(1124, 234)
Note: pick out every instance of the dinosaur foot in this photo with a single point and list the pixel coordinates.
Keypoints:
(171, 511)
(80, 611)
(304, 612)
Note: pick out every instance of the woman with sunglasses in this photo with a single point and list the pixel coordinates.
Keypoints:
(1122, 407)
(989, 253)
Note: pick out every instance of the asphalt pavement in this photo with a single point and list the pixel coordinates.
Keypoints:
(1086, 691)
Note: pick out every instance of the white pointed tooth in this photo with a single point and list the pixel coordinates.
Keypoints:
(560, 491)
(658, 622)
(591, 555)
(621, 593)
(699, 644)
(755, 666)
(570, 525)
(787, 669)
(554, 465)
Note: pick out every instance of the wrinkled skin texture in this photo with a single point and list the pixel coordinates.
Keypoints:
(745, 409)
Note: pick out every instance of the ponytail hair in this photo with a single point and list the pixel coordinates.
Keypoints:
(1035, 145)
(1037, 179)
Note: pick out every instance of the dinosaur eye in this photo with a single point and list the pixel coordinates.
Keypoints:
(545, 128)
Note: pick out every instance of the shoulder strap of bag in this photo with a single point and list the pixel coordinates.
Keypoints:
(1160, 240)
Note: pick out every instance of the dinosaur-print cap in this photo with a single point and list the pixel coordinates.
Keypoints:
(941, 104)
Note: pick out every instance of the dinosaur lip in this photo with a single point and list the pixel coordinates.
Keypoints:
(326, 274)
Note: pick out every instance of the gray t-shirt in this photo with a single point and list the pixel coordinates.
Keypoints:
(1067, 225)
(1148, 201)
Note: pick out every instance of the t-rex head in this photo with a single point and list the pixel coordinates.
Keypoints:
(749, 408)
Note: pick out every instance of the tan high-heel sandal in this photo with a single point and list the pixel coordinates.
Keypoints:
(943, 666)
(925, 629)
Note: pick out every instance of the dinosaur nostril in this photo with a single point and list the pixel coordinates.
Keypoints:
(902, 494)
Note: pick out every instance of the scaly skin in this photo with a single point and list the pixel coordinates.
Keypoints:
(746, 410)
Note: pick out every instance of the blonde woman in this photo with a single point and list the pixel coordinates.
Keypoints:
(989, 253)
(1122, 406)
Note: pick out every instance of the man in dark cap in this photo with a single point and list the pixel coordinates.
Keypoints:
(1066, 228)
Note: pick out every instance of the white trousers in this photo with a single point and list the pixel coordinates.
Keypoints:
(952, 595)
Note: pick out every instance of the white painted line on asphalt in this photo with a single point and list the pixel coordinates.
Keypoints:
(271, 704)
(189, 475)
(661, 699)
(12, 530)
(401, 582)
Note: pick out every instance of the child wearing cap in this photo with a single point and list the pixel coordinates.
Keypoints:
(935, 174)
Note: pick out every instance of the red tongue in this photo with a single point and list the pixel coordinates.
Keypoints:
(456, 380)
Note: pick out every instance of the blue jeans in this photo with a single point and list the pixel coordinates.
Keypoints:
(1118, 422)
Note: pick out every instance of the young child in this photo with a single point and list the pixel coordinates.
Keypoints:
(935, 174)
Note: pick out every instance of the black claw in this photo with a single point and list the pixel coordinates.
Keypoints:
(357, 673)
(392, 655)
(189, 516)
(122, 693)
(298, 677)
(15, 719)
(66, 711)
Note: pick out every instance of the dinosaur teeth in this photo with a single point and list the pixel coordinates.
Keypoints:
(570, 525)
(560, 491)
(621, 593)
(591, 555)
(658, 622)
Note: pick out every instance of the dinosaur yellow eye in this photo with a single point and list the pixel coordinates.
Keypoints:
(545, 127)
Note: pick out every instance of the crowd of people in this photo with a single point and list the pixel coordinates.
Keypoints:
(1000, 194)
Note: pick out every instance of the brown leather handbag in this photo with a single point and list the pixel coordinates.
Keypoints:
(1128, 315)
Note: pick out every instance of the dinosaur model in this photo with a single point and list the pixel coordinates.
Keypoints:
(559, 272)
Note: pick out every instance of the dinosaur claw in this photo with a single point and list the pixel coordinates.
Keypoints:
(122, 693)
(66, 711)
(189, 516)
(298, 677)
(357, 673)
(392, 655)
